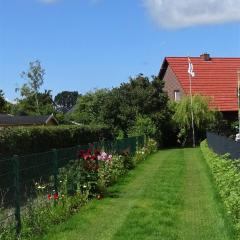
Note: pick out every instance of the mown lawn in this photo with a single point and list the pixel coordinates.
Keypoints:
(170, 196)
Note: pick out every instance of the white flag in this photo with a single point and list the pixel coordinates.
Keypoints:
(190, 68)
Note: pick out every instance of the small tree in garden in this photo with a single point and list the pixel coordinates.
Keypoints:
(203, 116)
(143, 126)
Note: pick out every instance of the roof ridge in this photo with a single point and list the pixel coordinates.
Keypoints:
(201, 58)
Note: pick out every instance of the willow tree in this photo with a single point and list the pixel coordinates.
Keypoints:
(203, 116)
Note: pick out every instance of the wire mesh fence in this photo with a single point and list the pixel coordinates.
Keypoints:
(22, 178)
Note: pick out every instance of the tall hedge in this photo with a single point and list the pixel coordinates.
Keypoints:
(24, 140)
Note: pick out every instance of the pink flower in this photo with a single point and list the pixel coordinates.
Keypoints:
(104, 156)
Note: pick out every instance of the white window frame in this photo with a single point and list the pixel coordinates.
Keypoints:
(177, 95)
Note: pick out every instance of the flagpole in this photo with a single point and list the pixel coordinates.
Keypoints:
(192, 116)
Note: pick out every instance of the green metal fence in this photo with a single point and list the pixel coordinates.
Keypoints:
(20, 174)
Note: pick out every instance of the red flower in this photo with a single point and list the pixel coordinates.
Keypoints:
(55, 196)
(89, 151)
(81, 153)
(96, 152)
(90, 157)
(49, 196)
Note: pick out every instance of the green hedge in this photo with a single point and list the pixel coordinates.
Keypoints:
(227, 178)
(24, 140)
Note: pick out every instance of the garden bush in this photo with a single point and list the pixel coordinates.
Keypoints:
(227, 177)
(24, 140)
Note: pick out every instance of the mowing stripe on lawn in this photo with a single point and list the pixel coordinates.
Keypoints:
(170, 196)
(202, 216)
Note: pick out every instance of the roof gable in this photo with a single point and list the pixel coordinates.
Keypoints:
(216, 78)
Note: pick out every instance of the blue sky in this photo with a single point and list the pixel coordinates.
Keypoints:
(87, 44)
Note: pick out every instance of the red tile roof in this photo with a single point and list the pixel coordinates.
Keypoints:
(216, 78)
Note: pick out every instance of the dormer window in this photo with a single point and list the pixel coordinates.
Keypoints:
(177, 95)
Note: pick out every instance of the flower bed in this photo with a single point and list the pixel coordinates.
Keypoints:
(81, 180)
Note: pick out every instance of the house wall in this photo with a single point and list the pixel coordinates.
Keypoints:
(171, 83)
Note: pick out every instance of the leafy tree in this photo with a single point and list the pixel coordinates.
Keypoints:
(120, 106)
(118, 111)
(34, 102)
(143, 126)
(65, 100)
(26, 106)
(3, 102)
(203, 117)
(89, 107)
(140, 95)
(35, 78)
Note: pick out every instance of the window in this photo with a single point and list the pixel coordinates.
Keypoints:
(177, 95)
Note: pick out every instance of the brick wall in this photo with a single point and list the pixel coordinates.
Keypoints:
(171, 83)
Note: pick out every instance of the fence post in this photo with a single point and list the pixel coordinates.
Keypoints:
(17, 194)
(55, 169)
(134, 146)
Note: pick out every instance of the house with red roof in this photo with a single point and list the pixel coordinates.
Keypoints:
(214, 77)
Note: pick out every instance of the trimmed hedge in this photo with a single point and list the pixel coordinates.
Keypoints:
(24, 140)
(227, 178)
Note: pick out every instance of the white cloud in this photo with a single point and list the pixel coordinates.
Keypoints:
(185, 13)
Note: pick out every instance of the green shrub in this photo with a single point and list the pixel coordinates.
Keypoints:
(151, 146)
(40, 216)
(227, 177)
(24, 140)
(142, 153)
(143, 126)
(110, 172)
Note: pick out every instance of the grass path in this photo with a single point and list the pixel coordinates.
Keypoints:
(170, 196)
